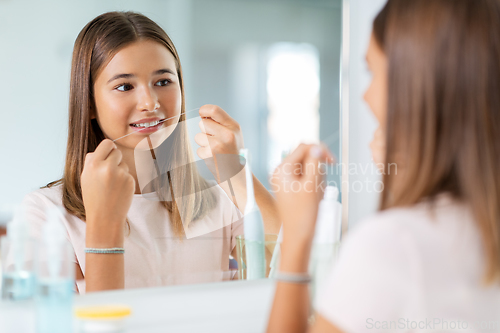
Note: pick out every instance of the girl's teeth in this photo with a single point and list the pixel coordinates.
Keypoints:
(146, 125)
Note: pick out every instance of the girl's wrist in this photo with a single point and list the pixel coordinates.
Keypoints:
(297, 239)
(239, 180)
(295, 256)
(103, 235)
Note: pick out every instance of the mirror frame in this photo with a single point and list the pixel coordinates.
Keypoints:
(344, 113)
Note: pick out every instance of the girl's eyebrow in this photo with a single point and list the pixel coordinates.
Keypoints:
(121, 76)
(163, 71)
(127, 76)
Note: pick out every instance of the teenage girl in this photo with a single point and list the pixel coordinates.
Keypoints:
(126, 73)
(429, 260)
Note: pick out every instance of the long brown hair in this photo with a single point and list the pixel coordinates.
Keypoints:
(444, 107)
(94, 47)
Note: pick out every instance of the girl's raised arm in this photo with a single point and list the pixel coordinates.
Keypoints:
(107, 190)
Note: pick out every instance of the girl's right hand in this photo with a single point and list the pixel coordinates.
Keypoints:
(298, 185)
(107, 191)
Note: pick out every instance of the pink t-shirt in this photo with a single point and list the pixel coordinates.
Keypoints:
(154, 256)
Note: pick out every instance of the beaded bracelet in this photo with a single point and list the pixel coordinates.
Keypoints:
(301, 278)
(112, 250)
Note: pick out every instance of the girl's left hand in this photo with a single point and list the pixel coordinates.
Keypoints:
(220, 134)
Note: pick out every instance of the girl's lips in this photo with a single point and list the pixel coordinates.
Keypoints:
(147, 130)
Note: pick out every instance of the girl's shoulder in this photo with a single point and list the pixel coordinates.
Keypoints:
(443, 212)
(44, 197)
(426, 232)
(36, 204)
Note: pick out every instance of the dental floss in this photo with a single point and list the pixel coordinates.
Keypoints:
(162, 121)
(253, 228)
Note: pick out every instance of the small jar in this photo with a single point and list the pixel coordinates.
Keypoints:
(102, 319)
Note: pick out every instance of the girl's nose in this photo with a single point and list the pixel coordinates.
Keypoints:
(148, 101)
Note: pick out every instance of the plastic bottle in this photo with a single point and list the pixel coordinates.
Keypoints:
(55, 277)
(328, 222)
(253, 228)
(18, 279)
(326, 238)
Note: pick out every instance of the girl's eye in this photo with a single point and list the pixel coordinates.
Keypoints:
(163, 83)
(124, 87)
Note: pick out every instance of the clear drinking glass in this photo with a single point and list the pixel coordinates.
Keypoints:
(271, 246)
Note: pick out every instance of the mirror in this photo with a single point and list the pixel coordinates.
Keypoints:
(273, 66)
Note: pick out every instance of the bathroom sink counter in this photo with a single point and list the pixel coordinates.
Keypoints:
(216, 307)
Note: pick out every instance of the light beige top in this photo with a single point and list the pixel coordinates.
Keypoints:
(154, 256)
(413, 269)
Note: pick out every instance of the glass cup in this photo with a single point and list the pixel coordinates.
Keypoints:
(272, 251)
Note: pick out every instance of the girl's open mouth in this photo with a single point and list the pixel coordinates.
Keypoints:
(148, 127)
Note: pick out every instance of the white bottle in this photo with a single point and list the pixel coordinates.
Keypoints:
(18, 279)
(55, 277)
(326, 238)
(328, 222)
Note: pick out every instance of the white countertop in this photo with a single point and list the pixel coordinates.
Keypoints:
(235, 306)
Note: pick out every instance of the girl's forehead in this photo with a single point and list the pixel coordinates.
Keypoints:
(144, 56)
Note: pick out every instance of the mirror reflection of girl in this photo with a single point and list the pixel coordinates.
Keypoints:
(125, 72)
(432, 253)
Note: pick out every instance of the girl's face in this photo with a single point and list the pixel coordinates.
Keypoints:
(376, 94)
(376, 97)
(136, 89)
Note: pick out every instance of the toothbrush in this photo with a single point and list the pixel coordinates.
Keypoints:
(276, 254)
(253, 228)
(273, 265)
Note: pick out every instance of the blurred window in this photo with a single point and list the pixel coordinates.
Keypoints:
(293, 88)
